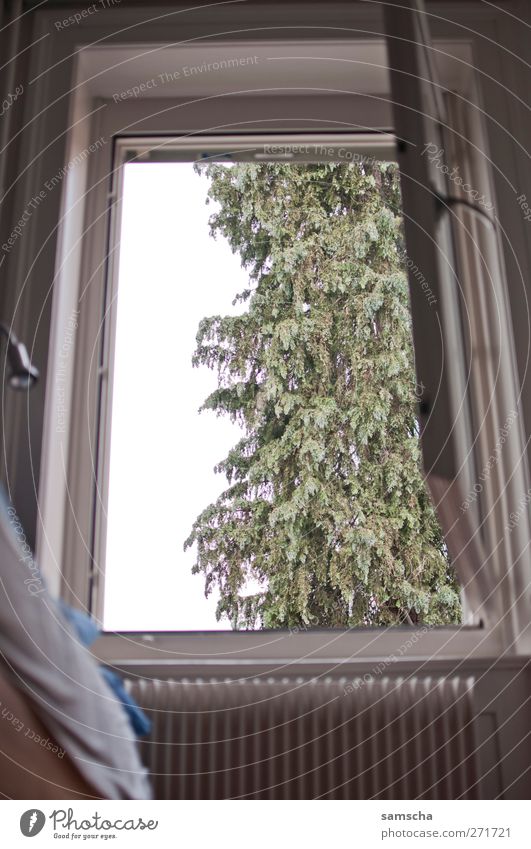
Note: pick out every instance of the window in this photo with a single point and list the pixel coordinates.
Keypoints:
(452, 455)
(158, 471)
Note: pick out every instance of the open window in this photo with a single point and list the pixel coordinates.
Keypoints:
(471, 426)
(462, 271)
(292, 352)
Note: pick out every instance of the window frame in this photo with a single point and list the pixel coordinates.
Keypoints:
(74, 579)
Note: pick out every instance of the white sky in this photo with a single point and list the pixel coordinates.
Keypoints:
(172, 274)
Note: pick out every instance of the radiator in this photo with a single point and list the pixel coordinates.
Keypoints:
(300, 738)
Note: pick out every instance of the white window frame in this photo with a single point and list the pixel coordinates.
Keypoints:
(62, 557)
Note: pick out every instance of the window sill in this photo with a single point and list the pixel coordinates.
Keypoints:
(400, 650)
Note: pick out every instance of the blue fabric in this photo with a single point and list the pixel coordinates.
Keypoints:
(140, 723)
(88, 632)
(83, 625)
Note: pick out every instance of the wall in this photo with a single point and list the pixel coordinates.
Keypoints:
(46, 111)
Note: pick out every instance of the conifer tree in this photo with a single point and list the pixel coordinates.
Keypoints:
(325, 505)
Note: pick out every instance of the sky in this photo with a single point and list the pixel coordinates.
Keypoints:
(172, 274)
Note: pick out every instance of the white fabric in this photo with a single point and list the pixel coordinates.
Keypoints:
(61, 677)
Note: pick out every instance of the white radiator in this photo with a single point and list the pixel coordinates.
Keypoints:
(279, 738)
